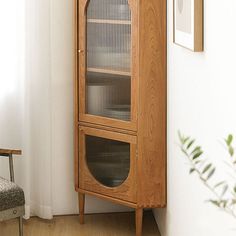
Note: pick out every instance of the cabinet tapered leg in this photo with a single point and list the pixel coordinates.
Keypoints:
(81, 207)
(139, 221)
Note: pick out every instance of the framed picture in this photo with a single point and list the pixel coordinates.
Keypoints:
(188, 24)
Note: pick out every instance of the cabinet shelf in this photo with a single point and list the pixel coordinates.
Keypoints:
(109, 71)
(113, 22)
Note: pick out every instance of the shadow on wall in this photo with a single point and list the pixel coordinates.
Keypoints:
(161, 220)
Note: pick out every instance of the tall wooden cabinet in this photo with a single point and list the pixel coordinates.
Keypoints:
(120, 103)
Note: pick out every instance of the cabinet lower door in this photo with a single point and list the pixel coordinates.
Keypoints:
(107, 163)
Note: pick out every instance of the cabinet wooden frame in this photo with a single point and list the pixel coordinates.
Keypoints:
(127, 190)
(147, 130)
(152, 104)
(83, 116)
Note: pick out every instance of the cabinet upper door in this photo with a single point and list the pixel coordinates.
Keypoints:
(106, 62)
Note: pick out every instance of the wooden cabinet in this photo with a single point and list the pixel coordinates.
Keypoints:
(120, 103)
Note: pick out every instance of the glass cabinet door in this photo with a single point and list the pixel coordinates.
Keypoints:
(107, 163)
(108, 59)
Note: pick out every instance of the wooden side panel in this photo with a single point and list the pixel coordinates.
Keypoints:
(76, 102)
(152, 104)
(81, 54)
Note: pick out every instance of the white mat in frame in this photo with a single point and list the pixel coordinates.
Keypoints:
(188, 24)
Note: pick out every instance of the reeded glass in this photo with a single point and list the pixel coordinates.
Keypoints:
(108, 73)
(108, 160)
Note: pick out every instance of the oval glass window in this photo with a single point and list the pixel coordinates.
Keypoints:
(108, 160)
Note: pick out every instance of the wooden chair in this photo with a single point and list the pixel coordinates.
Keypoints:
(12, 199)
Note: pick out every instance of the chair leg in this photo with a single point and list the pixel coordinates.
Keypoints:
(20, 226)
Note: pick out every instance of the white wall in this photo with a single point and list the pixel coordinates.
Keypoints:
(201, 103)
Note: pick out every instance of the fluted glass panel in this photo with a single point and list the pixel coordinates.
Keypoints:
(108, 77)
(109, 9)
(108, 160)
(108, 95)
(108, 47)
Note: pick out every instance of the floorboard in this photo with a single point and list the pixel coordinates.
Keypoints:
(117, 224)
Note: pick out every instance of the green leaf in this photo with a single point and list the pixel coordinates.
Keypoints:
(184, 151)
(231, 151)
(206, 168)
(223, 203)
(197, 162)
(198, 154)
(219, 184)
(192, 170)
(196, 149)
(233, 202)
(211, 173)
(185, 140)
(224, 190)
(216, 203)
(229, 139)
(180, 136)
(190, 143)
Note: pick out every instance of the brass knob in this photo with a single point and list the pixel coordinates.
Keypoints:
(80, 51)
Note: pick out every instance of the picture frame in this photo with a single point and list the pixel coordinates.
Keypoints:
(188, 24)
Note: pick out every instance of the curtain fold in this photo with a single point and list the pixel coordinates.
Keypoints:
(38, 107)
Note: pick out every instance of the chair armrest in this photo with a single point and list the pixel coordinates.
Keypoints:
(7, 152)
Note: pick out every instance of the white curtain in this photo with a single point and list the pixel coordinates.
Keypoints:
(37, 128)
(29, 106)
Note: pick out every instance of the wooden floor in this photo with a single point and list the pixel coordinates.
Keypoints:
(118, 224)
